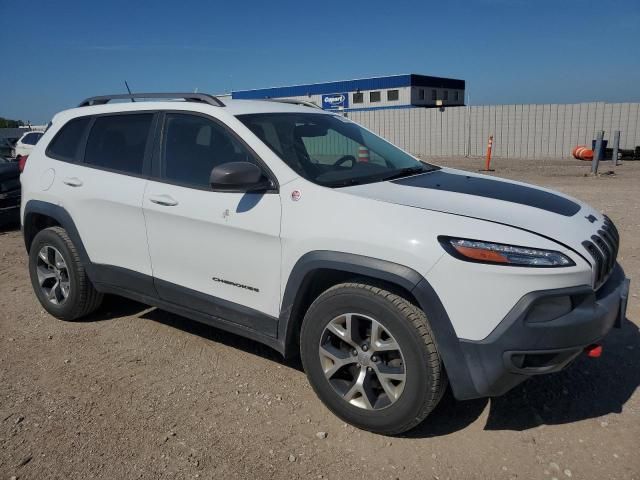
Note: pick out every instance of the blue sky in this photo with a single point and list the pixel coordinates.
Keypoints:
(55, 53)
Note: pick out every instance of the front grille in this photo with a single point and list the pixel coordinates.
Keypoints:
(603, 248)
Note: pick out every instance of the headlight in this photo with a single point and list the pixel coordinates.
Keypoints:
(498, 253)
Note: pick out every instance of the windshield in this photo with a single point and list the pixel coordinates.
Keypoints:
(330, 150)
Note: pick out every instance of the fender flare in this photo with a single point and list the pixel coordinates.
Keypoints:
(446, 339)
(61, 216)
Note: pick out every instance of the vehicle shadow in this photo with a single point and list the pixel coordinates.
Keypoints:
(114, 307)
(589, 388)
(220, 336)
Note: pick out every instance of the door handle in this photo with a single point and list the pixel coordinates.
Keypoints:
(164, 200)
(72, 181)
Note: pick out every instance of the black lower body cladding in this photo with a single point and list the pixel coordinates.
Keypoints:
(521, 346)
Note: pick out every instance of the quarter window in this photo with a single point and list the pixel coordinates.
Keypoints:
(117, 142)
(374, 97)
(65, 144)
(393, 95)
(194, 145)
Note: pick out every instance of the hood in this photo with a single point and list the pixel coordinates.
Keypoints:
(535, 209)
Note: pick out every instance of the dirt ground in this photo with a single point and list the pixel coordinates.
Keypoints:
(135, 392)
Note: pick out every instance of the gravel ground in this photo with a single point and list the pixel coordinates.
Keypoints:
(135, 392)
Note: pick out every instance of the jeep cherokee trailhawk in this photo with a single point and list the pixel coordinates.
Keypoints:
(295, 227)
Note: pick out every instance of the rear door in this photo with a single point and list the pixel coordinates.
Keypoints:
(103, 191)
(216, 252)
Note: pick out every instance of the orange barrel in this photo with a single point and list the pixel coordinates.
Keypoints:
(574, 151)
(584, 153)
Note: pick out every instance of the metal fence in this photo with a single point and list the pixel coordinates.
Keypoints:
(520, 131)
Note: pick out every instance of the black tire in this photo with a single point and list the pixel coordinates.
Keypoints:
(82, 298)
(425, 378)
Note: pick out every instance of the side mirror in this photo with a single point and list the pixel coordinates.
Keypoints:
(238, 177)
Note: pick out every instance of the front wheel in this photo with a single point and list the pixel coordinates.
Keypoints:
(370, 356)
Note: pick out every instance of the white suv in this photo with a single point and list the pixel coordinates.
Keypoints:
(391, 278)
(25, 144)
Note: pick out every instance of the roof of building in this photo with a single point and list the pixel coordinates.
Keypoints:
(374, 83)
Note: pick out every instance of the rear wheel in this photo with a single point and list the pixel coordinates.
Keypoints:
(370, 356)
(58, 277)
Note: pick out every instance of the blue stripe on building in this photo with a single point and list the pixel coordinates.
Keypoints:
(375, 83)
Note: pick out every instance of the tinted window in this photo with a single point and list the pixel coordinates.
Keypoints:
(194, 145)
(374, 96)
(64, 145)
(31, 138)
(392, 95)
(118, 142)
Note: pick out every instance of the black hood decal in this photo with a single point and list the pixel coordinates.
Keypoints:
(489, 188)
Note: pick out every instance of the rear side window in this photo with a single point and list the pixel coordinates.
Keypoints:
(117, 142)
(31, 138)
(66, 143)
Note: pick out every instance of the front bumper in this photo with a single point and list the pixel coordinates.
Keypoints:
(9, 206)
(519, 347)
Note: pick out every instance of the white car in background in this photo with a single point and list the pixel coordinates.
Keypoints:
(25, 143)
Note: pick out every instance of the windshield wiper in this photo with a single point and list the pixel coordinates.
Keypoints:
(348, 182)
(405, 172)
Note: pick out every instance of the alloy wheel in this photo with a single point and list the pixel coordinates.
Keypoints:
(362, 361)
(53, 275)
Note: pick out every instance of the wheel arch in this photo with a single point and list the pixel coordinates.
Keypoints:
(316, 271)
(39, 215)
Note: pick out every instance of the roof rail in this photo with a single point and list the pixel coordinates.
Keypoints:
(187, 97)
(293, 101)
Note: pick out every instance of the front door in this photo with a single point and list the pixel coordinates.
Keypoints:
(215, 252)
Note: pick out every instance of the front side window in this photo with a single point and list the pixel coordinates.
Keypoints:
(66, 143)
(330, 150)
(374, 97)
(117, 142)
(193, 145)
